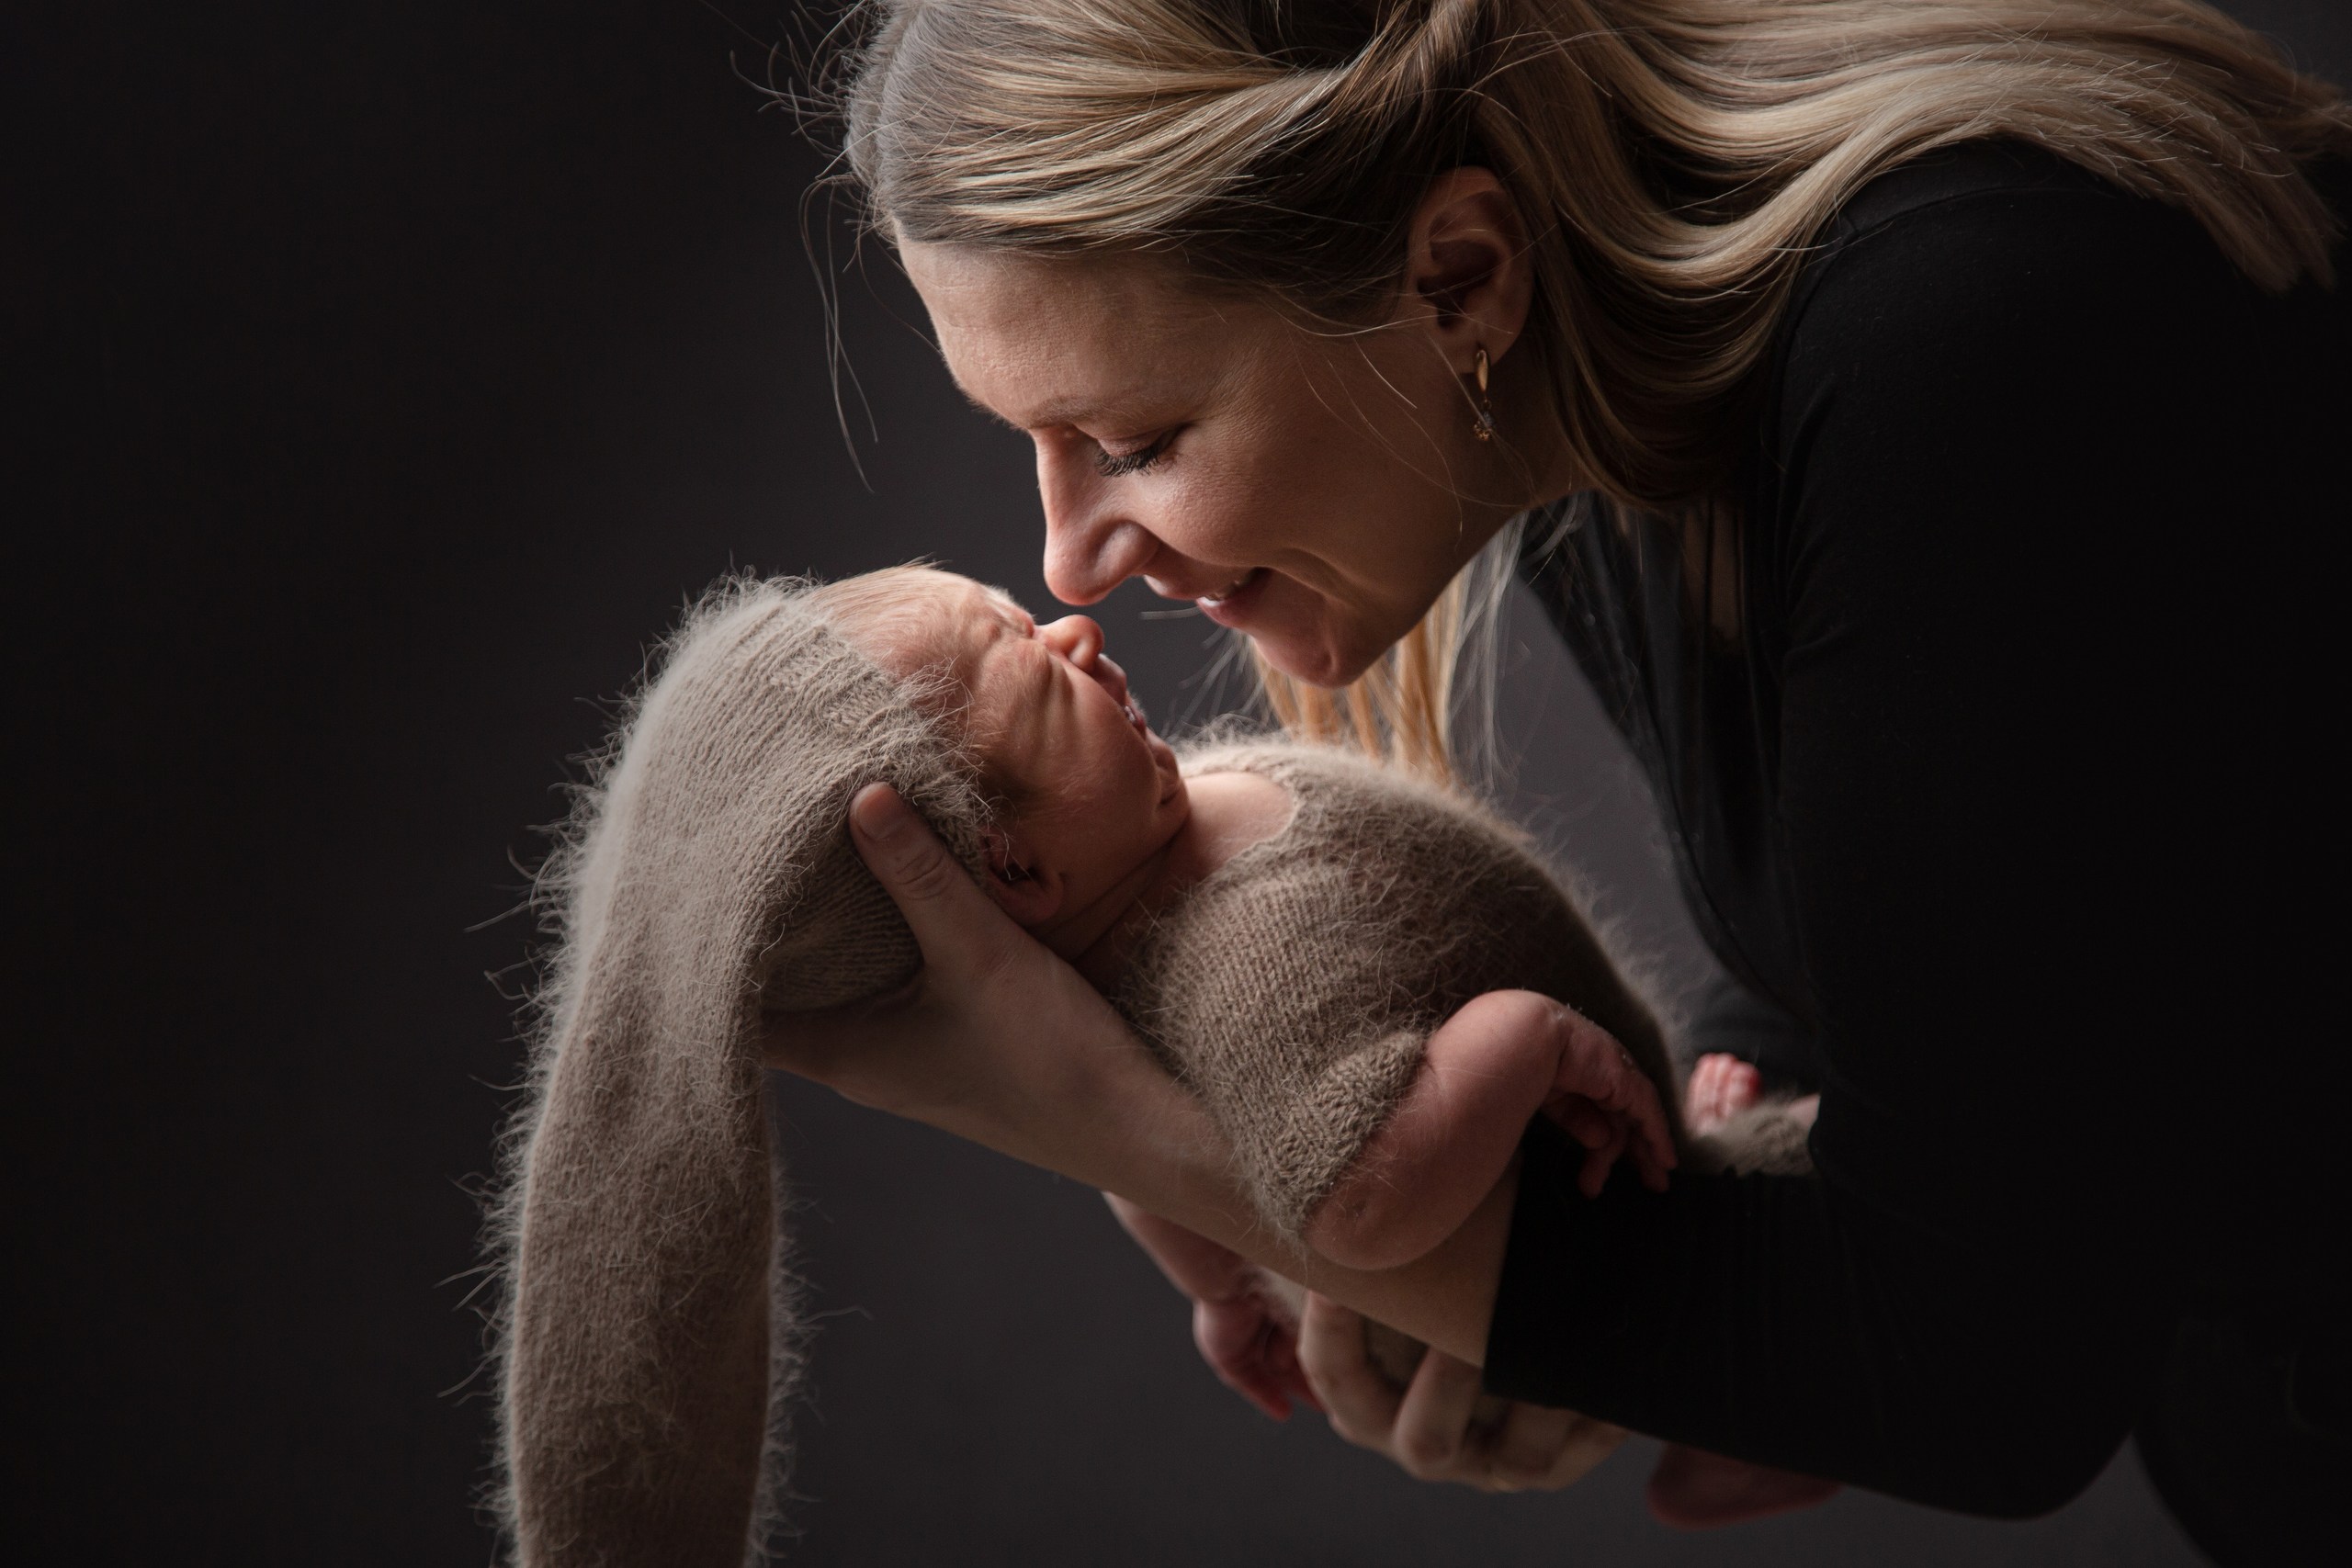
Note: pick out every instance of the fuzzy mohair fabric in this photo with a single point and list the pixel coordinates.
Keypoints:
(1295, 989)
(648, 1340)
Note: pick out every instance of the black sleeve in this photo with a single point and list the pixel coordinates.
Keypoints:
(2037, 461)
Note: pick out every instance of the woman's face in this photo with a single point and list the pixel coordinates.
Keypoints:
(1314, 492)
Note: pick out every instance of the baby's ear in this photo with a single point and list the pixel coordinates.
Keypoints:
(1030, 894)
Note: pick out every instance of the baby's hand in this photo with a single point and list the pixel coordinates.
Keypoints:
(1253, 1348)
(1603, 1102)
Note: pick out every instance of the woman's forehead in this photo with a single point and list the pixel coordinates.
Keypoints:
(1048, 342)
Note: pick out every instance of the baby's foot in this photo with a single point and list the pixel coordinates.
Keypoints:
(1694, 1490)
(1721, 1087)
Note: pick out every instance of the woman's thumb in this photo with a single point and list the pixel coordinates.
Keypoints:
(929, 884)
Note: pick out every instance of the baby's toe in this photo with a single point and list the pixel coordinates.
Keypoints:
(1721, 1087)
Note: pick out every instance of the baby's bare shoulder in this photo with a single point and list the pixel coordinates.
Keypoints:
(1231, 811)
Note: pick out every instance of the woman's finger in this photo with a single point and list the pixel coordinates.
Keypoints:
(960, 928)
(1588, 1444)
(1234, 1341)
(1524, 1449)
(1360, 1403)
(1431, 1433)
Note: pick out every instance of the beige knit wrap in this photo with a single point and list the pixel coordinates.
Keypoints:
(1295, 987)
(709, 878)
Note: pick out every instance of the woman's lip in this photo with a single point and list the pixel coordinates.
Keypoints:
(1232, 607)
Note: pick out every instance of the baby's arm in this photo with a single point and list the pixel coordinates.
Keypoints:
(1453, 1135)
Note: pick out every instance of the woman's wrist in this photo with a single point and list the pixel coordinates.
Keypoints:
(1108, 1115)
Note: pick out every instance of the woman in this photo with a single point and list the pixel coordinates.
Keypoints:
(1923, 418)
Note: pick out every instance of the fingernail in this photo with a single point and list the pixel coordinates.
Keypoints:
(877, 813)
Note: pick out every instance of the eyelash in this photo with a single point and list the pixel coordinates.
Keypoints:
(1111, 467)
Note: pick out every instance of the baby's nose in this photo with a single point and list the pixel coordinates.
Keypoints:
(1075, 639)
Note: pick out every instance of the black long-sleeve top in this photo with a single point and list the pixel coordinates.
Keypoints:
(1989, 719)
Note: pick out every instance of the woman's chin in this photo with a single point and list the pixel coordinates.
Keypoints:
(1315, 659)
(1298, 631)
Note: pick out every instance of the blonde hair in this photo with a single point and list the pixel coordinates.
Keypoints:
(1673, 160)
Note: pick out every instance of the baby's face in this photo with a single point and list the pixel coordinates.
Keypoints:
(1093, 793)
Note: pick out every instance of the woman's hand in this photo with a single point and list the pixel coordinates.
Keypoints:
(1430, 1427)
(1248, 1339)
(996, 1039)
(999, 1042)
(1252, 1346)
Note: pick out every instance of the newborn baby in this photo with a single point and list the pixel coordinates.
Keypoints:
(1285, 926)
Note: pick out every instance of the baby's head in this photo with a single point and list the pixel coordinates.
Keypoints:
(1086, 794)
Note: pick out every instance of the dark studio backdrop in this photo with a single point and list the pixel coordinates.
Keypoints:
(389, 375)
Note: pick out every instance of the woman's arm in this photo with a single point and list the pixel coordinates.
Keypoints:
(999, 1042)
(2052, 648)
(1272, 1353)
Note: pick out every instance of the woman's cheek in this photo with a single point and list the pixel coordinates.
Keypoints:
(1220, 514)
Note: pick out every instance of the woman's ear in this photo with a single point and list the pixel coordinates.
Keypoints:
(1029, 892)
(1469, 275)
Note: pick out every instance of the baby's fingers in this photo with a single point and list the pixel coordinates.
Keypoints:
(1607, 1136)
(1597, 1163)
(1635, 1099)
(1654, 1152)
(1648, 1160)
(1603, 1136)
(1596, 1065)
(1583, 1121)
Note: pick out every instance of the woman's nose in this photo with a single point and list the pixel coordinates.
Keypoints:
(1091, 546)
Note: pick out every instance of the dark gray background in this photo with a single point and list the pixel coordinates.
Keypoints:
(391, 372)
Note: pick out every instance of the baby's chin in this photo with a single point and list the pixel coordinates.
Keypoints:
(1173, 795)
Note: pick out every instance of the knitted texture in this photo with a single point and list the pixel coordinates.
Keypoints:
(1295, 989)
(709, 878)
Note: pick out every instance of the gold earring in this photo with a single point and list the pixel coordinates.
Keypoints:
(1486, 425)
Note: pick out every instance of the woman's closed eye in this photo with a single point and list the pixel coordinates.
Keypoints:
(1111, 465)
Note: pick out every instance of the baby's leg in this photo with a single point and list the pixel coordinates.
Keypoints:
(1733, 1128)
(1487, 1073)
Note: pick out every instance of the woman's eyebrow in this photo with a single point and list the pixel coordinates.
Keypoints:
(1071, 411)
